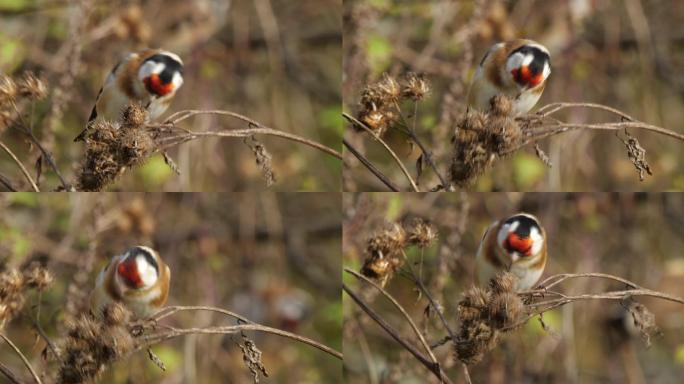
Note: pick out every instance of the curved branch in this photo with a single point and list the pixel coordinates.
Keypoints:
(399, 307)
(23, 358)
(21, 166)
(356, 122)
(245, 132)
(175, 332)
(259, 128)
(433, 367)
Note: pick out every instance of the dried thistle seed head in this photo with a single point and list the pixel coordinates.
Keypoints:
(8, 88)
(371, 98)
(473, 305)
(116, 314)
(376, 267)
(37, 277)
(32, 87)
(377, 120)
(502, 283)
(474, 341)
(134, 115)
(505, 310)
(416, 87)
(389, 241)
(389, 88)
(421, 233)
(500, 105)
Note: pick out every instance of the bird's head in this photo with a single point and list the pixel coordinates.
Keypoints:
(529, 65)
(521, 236)
(162, 73)
(138, 268)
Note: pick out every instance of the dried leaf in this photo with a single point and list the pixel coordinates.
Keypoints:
(39, 168)
(637, 154)
(251, 355)
(172, 164)
(419, 167)
(263, 159)
(542, 155)
(156, 360)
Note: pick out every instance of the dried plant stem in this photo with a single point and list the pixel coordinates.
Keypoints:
(550, 126)
(21, 166)
(427, 294)
(23, 358)
(356, 122)
(9, 374)
(191, 135)
(433, 367)
(172, 332)
(385, 180)
(562, 299)
(168, 311)
(399, 308)
(412, 134)
(28, 131)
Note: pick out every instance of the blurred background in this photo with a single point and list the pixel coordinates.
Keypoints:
(635, 236)
(268, 257)
(624, 54)
(276, 62)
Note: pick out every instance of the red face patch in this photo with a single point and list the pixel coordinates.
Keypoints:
(521, 245)
(524, 76)
(128, 270)
(154, 85)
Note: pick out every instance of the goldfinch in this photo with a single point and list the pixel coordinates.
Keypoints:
(516, 245)
(518, 69)
(139, 279)
(150, 77)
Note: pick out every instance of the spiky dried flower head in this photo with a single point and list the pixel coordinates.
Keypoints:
(415, 87)
(482, 138)
(503, 282)
(11, 295)
(91, 345)
(421, 233)
(383, 252)
(484, 314)
(32, 87)
(389, 88)
(8, 88)
(38, 277)
(112, 148)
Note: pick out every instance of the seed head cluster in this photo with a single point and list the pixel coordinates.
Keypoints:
(92, 344)
(481, 138)
(484, 314)
(28, 87)
(13, 286)
(111, 148)
(380, 100)
(383, 250)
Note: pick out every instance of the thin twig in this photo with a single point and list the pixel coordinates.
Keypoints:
(23, 358)
(429, 297)
(385, 180)
(9, 374)
(412, 134)
(245, 132)
(175, 332)
(258, 129)
(45, 153)
(434, 368)
(399, 307)
(377, 138)
(168, 311)
(21, 166)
